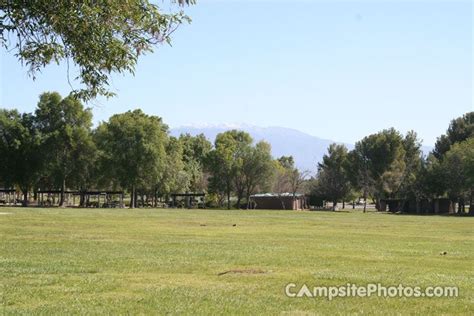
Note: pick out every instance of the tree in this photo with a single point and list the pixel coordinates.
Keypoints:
(99, 37)
(217, 186)
(257, 169)
(133, 147)
(296, 180)
(194, 153)
(413, 160)
(377, 164)
(85, 164)
(282, 166)
(175, 178)
(359, 171)
(430, 182)
(286, 162)
(195, 147)
(280, 175)
(11, 131)
(333, 180)
(459, 130)
(20, 158)
(457, 171)
(288, 179)
(65, 126)
(225, 163)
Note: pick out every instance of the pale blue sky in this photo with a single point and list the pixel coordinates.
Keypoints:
(337, 70)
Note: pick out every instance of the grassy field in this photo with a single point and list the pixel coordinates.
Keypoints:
(72, 261)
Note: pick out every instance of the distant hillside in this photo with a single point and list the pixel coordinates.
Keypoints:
(307, 150)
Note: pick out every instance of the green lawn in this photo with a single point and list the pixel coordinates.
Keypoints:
(74, 261)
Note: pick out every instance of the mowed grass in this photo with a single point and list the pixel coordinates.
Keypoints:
(93, 261)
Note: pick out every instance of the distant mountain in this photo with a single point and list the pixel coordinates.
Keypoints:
(307, 150)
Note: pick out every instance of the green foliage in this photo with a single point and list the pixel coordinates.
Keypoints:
(413, 163)
(457, 169)
(20, 155)
(99, 37)
(49, 148)
(459, 130)
(257, 168)
(235, 165)
(430, 178)
(448, 172)
(225, 163)
(287, 178)
(175, 178)
(67, 147)
(194, 155)
(332, 181)
(378, 164)
(281, 169)
(56, 148)
(286, 162)
(195, 147)
(133, 149)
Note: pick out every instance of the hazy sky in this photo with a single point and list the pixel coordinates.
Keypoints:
(337, 70)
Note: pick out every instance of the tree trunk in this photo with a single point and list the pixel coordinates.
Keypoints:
(334, 205)
(461, 206)
(282, 203)
(353, 205)
(248, 198)
(377, 205)
(82, 199)
(343, 204)
(25, 197)
(471, 205)
(228, 195)
(132, 197)
(452, 206)
(62, 200)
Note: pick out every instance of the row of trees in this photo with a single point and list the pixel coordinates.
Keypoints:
(390, 165)
(56, 148)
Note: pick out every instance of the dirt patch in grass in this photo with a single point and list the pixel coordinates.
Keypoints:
(242, 271)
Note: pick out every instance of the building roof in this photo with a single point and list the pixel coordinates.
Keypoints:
(286, 194)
